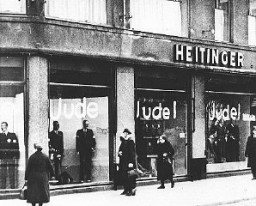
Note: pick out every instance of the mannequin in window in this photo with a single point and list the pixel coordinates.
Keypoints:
(56, 148)
(9, 157)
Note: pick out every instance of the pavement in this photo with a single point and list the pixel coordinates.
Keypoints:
(233, 190)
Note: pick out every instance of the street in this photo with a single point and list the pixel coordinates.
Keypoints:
(230, 191)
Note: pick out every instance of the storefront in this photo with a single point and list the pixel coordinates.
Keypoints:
(161, 107)
(82, 89)
(230, 114)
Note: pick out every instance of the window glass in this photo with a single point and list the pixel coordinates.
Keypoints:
(160, 113)
(229, 115)
(252, 23)
(159, 16)
(13, 6)
(70, 106)
(222, 20)
(79, 105)
(93, 11)
(160, 108)
(252, 7)
(12, 147)
(11, 69)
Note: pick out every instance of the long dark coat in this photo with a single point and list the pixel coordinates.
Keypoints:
(250, 151)
(37, 174)
(164, 167)
(127, 148)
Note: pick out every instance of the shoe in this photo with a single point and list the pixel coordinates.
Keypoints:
(172, 185)
(124, 192)
(88, 180)
(161, 187)
(81, 181)
(133, 192)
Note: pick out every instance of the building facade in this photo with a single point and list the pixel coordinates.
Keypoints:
(186, 69)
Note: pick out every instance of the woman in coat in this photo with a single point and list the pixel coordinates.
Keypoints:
(165, 154)
(37, 175)
(250, 151)
(127, 162)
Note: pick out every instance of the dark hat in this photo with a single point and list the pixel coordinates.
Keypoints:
(127, 131)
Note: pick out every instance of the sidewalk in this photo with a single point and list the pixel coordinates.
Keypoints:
(209, 192)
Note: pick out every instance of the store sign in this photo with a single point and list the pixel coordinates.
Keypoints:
(79, 110)
(208, 56)
(158, 112)
(229, 113)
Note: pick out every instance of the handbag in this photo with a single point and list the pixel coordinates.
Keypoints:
(134, 173)
(24, 192)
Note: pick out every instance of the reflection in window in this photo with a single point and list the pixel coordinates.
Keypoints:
(228, 118)
(93, 11)
(13, 6)
(70, 105)
(158, 16)
(222, 20)
(12, 149)
(160, 113)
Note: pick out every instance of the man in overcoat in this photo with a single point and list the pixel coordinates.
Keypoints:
(56, 148)
(9, 158)
(85, 147)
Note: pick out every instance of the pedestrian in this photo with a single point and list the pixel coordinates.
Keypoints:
(38, 172)
(250, 151)
(85, 147)
(127, 163)
(165, 154)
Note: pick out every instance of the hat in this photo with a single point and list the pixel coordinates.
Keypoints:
(38, 146)
(127, 131)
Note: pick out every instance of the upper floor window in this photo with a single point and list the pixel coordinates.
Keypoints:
(222, 20)
(93, 11)
(252, 23)
(159, 16)
(13, 6)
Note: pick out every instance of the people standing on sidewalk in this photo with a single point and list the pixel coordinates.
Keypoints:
(165, 154)
(38, 172)
(127, 162)
(250, 151)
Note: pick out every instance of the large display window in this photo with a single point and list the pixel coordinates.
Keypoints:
(12, 147)
(79, 121)
(161, 108)
(230, 112)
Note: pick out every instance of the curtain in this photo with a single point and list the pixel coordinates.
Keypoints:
(157, 16)
(251, 30)
(219, 25)
(13, 6)
(93, 11)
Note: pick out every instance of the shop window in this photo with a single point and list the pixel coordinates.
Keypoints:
(12, 147)
(161, 108)
(222, 20)
(159, 16)
(230, 114)
(92, 11)
(13, 6)
(252, 23)
(70, 104)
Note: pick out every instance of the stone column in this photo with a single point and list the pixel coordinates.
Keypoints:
(198, 161)
(125, 99)
(37, 103)
(198, 140)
